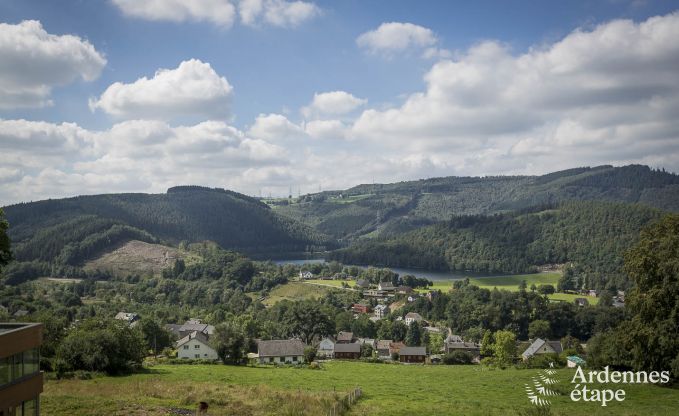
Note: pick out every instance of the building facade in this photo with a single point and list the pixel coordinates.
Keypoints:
(20, 377)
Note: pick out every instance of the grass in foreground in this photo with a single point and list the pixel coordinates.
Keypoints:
(388, 390)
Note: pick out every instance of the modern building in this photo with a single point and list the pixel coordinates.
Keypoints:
(20, 376)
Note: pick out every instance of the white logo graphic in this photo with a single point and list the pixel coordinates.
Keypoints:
(539, 391)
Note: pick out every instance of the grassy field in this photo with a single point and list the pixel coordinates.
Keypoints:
(295, 291)
(388, 390)
(510, 282)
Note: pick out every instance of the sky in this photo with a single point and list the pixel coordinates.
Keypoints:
(271, 97)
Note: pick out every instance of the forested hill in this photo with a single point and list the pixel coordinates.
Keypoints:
(367, 210)
(69, 231)
(592, 236)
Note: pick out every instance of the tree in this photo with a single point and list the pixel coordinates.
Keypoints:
(366, 350)
(5, 253)
(230, 343)
(414, 335)
(653, 264)
(546, 289)
(309, 354)
(398, 331)
(435, 343)
(539, 329)
(363, 327)
(306, 320)
(106, 345)
(157, 338)
(487, 344)
(504, 347)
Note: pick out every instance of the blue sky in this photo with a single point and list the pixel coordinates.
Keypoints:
(418, 89)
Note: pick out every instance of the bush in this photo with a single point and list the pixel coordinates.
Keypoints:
(458, 357)
(543, 361)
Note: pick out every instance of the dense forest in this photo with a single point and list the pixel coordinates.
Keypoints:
(67, 232)
(377, 209)
(593, 236)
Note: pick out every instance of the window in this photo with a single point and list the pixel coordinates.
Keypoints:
(270, 359)
(186, 347)
(294, 359)
(197, 355)
(5, 370)
(31, 361)
(197, 346)
(31, 407)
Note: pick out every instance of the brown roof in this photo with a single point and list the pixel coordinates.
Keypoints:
(413, 351)
(354, 347)
(345, 336)
(383, 344)
(280, 348)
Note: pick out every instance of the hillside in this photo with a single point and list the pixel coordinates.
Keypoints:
(73, 230)
(369, 210)
(591, 235)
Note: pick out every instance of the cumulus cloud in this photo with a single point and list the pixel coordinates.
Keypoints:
(222, 13)
(274, 127)
(34, 61)
(218, 12)
(41, 160)
(327, 129)
(607, 95)
(393, 37)
(332, 103)
(276, 12)
(193, 88)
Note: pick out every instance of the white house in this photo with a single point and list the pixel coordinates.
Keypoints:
(305, 275)
(413, 317)
(381, 311)
(195, 346)
(326, 347)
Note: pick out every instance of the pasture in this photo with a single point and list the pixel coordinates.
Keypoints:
(391, 389)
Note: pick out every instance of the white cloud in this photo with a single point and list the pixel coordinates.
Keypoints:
(326, 129)
(275, 127)
(332, 103)
(218, 12)
(33, 61)
(41, 160)
(193, 88)
(609, 95)
(276, 12)
(393, 37)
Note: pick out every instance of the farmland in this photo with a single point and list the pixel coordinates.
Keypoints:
(387, 388)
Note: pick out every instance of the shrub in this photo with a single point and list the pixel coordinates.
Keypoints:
(458, 357)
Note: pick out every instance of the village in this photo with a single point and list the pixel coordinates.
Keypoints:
(380, 301)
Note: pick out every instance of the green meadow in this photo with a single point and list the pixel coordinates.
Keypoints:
(388, 389)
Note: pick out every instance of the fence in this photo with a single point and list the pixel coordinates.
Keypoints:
(346, 402)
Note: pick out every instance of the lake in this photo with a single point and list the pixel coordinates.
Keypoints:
(427, 274)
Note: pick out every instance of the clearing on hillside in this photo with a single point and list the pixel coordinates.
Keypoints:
(136, 257)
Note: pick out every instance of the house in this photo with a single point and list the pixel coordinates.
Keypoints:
(471, 347)
(412, 354)
(573, 361)
(411, 298)
(395, 347)
(194, 346)
(431, 295)
(375, 293)
(453, 338)
(592, 293)
(382, 348)
(413, 317)
(195, 325)
(20, 313)
(367, 341)
(174, 329)
(129, 318)
(386, 287)
(347, 351)
(360, 308)
(540, 346)
(433, 329)
(345, 337)
(305, 275)
(281, 351)
(362, 284)
(581, 302)
(326, 347)
(404, 290)
(21, 381)
(381, 311)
